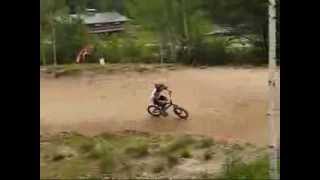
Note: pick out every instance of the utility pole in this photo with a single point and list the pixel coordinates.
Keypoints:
(272, 114)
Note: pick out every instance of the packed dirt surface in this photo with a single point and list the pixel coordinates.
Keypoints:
(223, 102)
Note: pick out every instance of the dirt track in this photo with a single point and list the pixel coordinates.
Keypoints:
(222, 102)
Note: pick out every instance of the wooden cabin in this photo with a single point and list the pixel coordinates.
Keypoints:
(102, 22)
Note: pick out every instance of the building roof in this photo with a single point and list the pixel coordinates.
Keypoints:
(220, 30)
(105, 17)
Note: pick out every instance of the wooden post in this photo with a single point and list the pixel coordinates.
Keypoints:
(272, 116)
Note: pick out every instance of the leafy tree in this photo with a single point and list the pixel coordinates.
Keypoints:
(70, 38)
(49, 10)
(246, 17)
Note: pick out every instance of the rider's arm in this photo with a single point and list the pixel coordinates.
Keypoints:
(169, 91)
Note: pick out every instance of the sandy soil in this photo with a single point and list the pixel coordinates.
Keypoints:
(223, 103)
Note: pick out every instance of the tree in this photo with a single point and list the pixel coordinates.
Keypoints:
(246, 17)
(272, 115)
(49, 10)
(176, 22)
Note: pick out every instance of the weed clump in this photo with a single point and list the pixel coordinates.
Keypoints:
(208, 155)
(206, 143)
(237, 169)
(137, 151)
(87, 147)
(158, 168)
(172, 160)
(180, 143)
(185, 154)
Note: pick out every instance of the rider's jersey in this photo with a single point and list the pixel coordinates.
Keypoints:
(155, 95)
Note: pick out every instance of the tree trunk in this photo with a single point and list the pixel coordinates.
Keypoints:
(54, 46)
(185, 23)
(265, 39)
(272, 116)
(43, 55)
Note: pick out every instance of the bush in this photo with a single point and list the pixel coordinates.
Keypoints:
(131, 52)
(205, 53)
(70, 39)
(253, 56)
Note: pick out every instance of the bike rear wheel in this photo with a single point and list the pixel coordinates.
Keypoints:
(154, 110)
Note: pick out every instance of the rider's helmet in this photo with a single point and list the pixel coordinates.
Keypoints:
(160, 86)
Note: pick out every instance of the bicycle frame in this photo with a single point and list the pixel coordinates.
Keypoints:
(167, 106)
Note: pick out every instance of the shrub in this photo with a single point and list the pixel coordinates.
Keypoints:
(253, 56)
(205, 53)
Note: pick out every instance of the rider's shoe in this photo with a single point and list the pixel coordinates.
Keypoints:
(165, 114)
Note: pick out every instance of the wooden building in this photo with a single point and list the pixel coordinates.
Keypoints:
(102, 22)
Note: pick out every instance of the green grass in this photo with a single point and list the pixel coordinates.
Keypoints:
(237, 147)
(180, 143)
(158, 168)
(205, 143)
(172, 160)
(255, 170)
(130, 155)
(185, 153)
(138, 150)
(208, 155)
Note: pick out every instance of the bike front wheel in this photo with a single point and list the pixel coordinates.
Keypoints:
(180, 112)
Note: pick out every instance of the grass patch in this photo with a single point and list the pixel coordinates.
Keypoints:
(138, 150)
(101, 149)
(178, 144)
(107, 163)
(172, 160)
(205, 143)
(255, 170)
(58, 157)
(208, 155)
(158, 168)
(185, 153)
(87, 147)
(72, 156)
(237, 147)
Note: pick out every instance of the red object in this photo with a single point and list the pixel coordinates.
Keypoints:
(83, 53)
